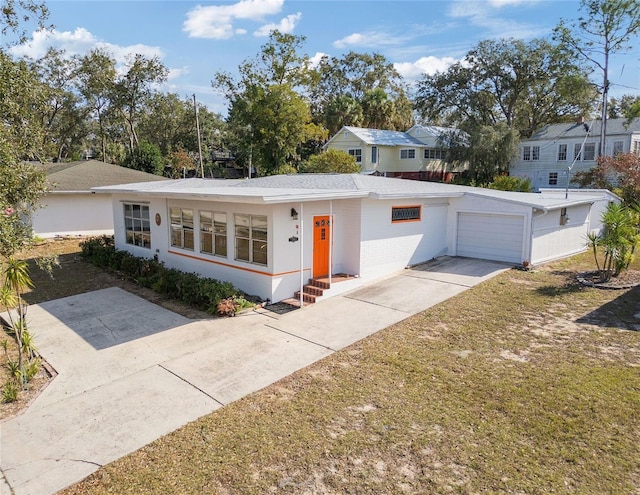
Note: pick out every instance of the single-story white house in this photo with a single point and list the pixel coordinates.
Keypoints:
(269, 236)
(70, 207)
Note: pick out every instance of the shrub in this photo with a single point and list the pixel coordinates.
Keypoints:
(227, 307)
(10, 391)
(618, 241)
(511, 183)
(198, 292)
(32, 368)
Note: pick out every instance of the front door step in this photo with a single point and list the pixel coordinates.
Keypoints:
(316, 287)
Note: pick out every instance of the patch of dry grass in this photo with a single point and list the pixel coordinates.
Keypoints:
(528, 383)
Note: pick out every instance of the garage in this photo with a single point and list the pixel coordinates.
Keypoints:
(490, 236)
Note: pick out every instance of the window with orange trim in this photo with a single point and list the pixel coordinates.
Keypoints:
(406, 213)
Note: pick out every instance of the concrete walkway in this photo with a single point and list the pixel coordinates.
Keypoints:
(130, 371)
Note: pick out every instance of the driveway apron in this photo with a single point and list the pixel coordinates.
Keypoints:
(130, 372)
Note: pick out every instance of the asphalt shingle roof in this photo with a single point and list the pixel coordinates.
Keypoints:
(575, 130)
(83, 175)
(316, 187)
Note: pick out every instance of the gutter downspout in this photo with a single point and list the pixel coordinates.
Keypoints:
(301, 254)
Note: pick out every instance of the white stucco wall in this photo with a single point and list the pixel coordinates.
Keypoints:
(600, 201)
(64, 214)
(551, 240)
(281, 277)
(388, 247)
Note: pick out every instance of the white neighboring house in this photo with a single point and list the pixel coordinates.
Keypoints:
(557, 151)
(70, 207)
(416, 154)
(271, 236)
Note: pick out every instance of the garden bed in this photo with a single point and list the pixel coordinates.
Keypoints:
(626, 280)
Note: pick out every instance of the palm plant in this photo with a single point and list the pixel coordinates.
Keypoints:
(16, 282)
(618, 241)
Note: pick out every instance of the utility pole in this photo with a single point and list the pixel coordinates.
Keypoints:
(250, 149)
(195, 108)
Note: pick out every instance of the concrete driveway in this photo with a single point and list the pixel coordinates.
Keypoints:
(130, 371)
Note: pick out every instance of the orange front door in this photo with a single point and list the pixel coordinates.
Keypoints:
(321, 245)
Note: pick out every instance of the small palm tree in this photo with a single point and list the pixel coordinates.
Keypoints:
(618, 241)
(16, 281)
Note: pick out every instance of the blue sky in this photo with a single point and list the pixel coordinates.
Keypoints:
(197, 39)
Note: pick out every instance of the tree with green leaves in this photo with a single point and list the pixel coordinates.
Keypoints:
(331, 161)
(95, 80)
(359, 89)
(627, 106)
(21, 183)
(145, 157)
(133, 89)
(63, 116)
(618, 241)
(619, 173)
(522, 84)
(505, 182)
(488, 149)
(269, 119)
(15, 14)
(605, 27)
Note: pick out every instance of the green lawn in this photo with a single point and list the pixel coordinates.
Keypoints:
(527, 383)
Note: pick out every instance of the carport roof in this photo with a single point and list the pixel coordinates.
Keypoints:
(318, 187)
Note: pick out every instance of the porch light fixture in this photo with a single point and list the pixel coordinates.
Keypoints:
(294, 214)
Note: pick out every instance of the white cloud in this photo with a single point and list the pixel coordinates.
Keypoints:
(120, 53)
(74, 43)
(315, 60)
(79, 42)
(177, 73)
(216, 21)
(370, 39)
(412, 71)
(483, 14)
(286, 25)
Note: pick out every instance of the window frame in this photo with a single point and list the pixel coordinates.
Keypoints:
(374, 154)
(435, 153)
(531, 153)
(553, 178)
(137, 231)
(563, 152)
(618, 147)
(589, 152)
(577, 152)
(409, 152)
(247, 236)
(184, 231)
(406, 213)
(213, 231)
(356, 153)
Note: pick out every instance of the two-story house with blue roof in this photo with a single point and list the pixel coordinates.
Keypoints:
(419, 153)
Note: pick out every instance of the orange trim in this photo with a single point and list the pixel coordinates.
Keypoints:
(408, 220)
(236, 267)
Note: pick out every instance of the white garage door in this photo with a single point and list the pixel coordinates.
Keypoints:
(490, 236)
